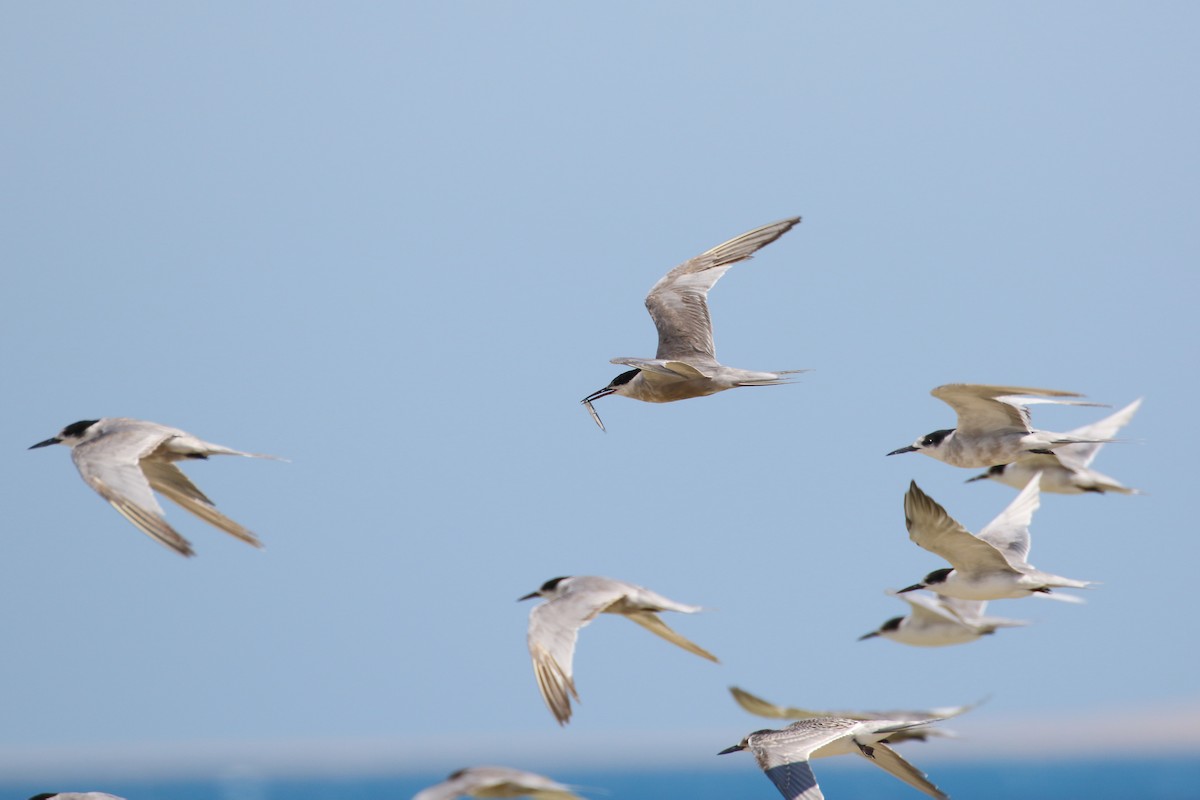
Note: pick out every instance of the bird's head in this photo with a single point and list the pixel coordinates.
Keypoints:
(930, 443)
(935, 578)
(890, 626)
(614, 387)
(547, 589)
(73, 434)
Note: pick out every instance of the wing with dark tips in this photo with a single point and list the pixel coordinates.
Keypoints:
(930, 527)
(115, 474)
(795, 781)
(886, 758)
(166, 478)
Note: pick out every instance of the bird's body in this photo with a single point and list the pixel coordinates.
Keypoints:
(573, 602)
(1067, 470)
(686, 365)
(938, 621)
(497, 782)
(127, 460)
(990, 566)
(784, 755)
(75, 796)
(993, 426)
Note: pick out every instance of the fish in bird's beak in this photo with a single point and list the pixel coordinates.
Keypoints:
(909, 449)
(47, 443)
(587, 401)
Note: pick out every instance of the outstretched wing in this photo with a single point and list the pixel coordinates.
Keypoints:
(110, 465)
(930, 527)
(678, 302)
(166, 478)
(795, 781)
(553, 630)
(1082, 454)
(886, 758)
(1009, 531)
(653, 623)
(990, 409)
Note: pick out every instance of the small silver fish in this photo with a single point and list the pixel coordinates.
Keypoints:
(592, 410)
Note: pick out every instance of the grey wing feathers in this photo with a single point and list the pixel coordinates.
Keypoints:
(678, 304)
(929, 609)
(552, 649)
(763, 708)
(653, 623)
(175, 486)
(126, 488)
(1009, 531)
(757, 705)
(886, 758)
(553, 631)
(983, 408)
(1082, 455)
(795, 781)
(930, 527)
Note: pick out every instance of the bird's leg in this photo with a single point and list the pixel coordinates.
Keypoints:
(866, 749)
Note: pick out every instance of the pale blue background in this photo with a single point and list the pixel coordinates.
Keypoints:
(397, 243)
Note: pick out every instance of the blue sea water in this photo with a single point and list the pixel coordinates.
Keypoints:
(1104, 778)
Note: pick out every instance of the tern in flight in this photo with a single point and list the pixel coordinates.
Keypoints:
(573, 602)
(784, 754)
(686, 363)
(127, 460)
(993, 426)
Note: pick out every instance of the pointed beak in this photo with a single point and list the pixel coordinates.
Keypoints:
(912, 588)
(529, 596)
(909, 449)
(596, 395)
(47, 443)
(733, 749)
(982, 477)
(870, 635)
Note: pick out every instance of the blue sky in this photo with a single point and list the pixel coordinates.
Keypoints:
(397, 244)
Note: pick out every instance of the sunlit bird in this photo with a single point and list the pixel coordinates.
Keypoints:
(127, 460)
(937, 621)
(686, 363)
(993, 426)
(763, 708)
(1067, 471)
(784, 755)
(75, 796)
(497, 782)
(573, 602)
(990, 566)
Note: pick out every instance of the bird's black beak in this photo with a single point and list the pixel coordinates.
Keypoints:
(529, 596)
(733, 749)
(596, 395)
(982, 477)
(870, 635)
(47, 443)
(912, 588)
(909, 449)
